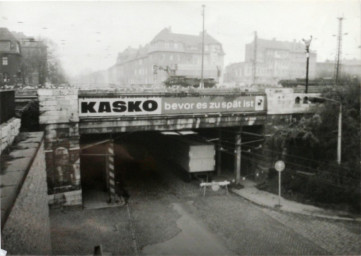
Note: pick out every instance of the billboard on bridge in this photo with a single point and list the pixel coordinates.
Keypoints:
(137, 106)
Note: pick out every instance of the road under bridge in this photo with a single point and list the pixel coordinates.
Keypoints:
(83, 125)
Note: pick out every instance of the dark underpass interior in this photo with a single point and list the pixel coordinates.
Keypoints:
(140, 159)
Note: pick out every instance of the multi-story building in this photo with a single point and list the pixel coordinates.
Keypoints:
(234, 73)
(348, 68)
(34, 61)
(168, 54)
(10, 58)
(268, 61)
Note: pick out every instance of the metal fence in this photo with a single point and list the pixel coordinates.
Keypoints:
(7, 105)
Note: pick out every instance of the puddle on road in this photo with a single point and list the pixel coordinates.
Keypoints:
(194, 239)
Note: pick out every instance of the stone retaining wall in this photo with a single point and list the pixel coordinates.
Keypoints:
(9, 130)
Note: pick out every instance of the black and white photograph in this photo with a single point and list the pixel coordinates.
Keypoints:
(180, 128)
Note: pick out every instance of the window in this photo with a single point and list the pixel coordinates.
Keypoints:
(171, 57)
(5, 61)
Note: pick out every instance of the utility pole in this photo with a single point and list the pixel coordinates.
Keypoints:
(339, 127)
(339, 135)
(307, 44)
(254, 59)
(338, 54)
(201, 85)
(360, 32)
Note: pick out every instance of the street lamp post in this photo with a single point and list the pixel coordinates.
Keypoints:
(307, 44)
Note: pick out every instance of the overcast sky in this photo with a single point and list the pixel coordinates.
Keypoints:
(89, 35)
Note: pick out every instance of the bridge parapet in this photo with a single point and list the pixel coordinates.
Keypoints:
(71, 105)
(285, 101)
(58, 106)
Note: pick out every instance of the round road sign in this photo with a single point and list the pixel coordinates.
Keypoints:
(215, 186)
(280, 166)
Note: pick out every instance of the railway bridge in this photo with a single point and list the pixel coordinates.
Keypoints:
(71, 116)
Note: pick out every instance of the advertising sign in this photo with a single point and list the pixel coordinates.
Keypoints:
(215, 104)
(133, 106)
(120, 106)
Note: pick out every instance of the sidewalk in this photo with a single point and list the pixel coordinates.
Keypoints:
(266, 199)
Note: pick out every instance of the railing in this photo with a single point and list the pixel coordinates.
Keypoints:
(168, 91)
(7, 105)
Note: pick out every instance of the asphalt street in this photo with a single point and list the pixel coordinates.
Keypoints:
(167, 216)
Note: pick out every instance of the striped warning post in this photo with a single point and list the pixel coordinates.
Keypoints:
(111, 174)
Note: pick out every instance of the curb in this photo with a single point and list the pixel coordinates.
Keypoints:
(321, 216)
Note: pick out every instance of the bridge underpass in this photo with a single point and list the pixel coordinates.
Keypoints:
(70, 116)
(140, 156)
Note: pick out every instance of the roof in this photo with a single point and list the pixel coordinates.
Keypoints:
(235, 65)
(5, 34)
(282, 45)
(167, 35)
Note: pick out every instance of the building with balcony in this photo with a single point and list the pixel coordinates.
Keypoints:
(168, 54)
(10, 58)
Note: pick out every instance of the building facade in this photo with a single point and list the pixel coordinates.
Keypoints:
(34, 61)
(234, 73)
(168, 54)
(351, 67)
(268, 61)
(10, 58)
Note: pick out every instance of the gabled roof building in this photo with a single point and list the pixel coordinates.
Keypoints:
(168, 53)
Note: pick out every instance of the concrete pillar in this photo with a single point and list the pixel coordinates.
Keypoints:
(59, 117)
(219, 152)
(237, 157)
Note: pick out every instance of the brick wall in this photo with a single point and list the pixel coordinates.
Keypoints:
(27, 228)
(8, 131)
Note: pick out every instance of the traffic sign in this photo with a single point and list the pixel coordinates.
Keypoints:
(280, 166)
(215, 187)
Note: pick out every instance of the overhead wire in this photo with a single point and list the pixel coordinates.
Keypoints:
(268, 158)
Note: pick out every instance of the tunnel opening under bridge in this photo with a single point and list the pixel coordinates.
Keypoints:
(140, 159)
